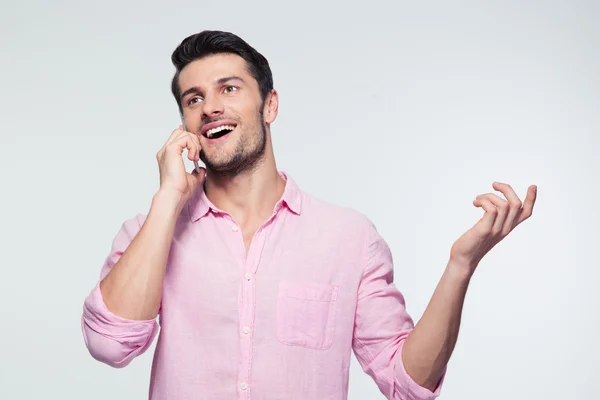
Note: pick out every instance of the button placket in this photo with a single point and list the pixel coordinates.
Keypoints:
(248, 292)
(247, 304)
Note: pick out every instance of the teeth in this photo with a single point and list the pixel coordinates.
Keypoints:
(212, 131)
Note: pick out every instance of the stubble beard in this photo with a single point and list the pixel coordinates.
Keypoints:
(246, 157)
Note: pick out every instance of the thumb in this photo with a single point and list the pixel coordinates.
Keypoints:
(199, 173)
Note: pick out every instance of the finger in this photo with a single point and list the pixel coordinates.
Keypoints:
(170, 139)
(502, 210)
(514, 205)
(528, 204)
(196, 178)
(509, 193)
(197, 141)
(485, 224)
(174, 135)
(199, 174)
(194, 151)
(184, 141)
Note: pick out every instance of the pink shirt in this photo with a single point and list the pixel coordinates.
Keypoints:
(277, 323)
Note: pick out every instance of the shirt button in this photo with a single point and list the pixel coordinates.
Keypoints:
(234, 228)
(246, 330)
(244, 386)
(248, 276)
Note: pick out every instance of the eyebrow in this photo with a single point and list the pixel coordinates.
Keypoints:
(220, 81)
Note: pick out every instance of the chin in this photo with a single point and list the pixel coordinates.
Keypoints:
(218, 164)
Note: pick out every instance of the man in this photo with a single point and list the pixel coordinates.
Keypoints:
(262, 290)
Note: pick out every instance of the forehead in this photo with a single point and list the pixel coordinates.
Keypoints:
(207, 70)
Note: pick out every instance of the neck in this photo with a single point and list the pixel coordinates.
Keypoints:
(250, 194)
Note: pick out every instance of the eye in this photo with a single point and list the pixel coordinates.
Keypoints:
(194, 100)
(230, 89)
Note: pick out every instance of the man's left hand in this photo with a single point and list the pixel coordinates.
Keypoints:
(500, 218)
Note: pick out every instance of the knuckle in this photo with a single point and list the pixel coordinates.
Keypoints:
(170, 145)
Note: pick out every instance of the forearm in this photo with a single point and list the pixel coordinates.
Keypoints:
(429, 346)
(133, 287)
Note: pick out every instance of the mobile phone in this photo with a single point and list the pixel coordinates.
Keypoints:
(196, 166)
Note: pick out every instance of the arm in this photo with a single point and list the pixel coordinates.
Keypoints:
(382, 326)
(119, 315)
(132, 288)
(110, 338)
(429, 346)
(118, 321)
(407, 362)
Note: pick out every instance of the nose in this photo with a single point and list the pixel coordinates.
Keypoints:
(212, 107)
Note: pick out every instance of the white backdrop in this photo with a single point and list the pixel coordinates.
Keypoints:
(400, 110)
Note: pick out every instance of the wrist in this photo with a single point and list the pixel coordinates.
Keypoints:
(460, 270)
(168, 201)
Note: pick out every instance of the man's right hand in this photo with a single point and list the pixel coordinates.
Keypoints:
(174, 179)
(132, 288)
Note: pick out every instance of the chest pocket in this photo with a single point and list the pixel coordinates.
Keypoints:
(306, 314)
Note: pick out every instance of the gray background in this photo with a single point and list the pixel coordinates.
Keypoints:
(403, 111)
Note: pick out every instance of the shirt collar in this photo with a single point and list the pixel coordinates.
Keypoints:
(199, 205)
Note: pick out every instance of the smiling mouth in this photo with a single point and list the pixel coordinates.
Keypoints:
(219, 131)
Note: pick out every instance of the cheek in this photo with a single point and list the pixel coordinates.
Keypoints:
(247, 109)
(193, 119)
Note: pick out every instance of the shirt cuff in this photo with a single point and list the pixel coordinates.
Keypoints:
(132, 337)
(406, 386)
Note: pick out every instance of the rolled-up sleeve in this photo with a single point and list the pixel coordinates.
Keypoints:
(382, 326)
(111, 339)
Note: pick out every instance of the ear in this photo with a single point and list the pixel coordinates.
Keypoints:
(271, 106)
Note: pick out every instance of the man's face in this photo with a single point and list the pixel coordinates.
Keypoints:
(218, 94)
